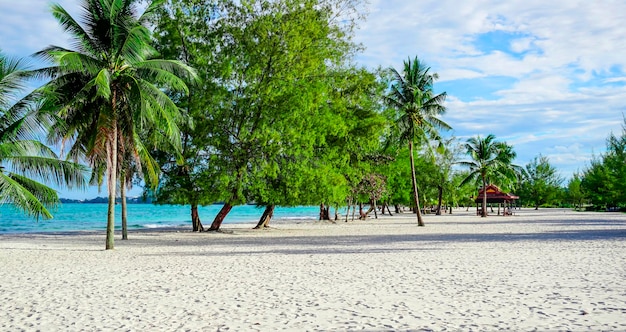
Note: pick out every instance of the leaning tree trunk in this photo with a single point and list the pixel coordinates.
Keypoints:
(366, 213)
(264, 222)
(124, 211)
(219, 218)
(420, 222)
(385, 206)
(195, 219)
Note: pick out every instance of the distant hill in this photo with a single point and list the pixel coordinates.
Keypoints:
(105, 200)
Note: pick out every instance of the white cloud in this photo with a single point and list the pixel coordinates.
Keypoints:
(567, 68)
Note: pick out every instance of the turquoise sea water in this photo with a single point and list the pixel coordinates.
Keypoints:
(90, 217)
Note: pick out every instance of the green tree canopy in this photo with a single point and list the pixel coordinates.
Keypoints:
(541, 182)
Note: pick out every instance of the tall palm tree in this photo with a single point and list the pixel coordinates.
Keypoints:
(417, 110)
(110, 86)
(490, 158)
(24, 161)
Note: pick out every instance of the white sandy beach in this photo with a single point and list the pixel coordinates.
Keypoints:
(546, 270)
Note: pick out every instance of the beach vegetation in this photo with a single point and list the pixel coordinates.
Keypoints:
(186, 30)
(27, 166)
(417, 110)
(490, 162)
(541, 183)
(270, 108)
(110, 87)
(574, 192)
(604, 181)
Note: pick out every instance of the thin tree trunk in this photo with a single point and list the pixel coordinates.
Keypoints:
(361, 214)
(484, 212)
(440, 201)
(266, 217)
(111, 184)
(195, 219)
(219, 218)
(123, 202)
(388, 209)
(375, 208)
(420, 222)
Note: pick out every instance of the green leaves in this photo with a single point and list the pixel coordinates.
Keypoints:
(24, 161)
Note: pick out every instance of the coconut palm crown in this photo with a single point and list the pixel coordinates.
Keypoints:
(417, 111)
(110, 86)
(489, 159)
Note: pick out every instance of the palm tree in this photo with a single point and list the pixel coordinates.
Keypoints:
(110, 86)
(489, 159)
(417, 110)
(23, 159)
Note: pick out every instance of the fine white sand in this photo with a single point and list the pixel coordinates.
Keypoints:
(543, 270)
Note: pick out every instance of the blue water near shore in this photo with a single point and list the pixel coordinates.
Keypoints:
(92, 217)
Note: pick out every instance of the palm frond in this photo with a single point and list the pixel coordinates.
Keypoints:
(26, 195)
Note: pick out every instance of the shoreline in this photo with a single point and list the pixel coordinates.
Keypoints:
(552, 269)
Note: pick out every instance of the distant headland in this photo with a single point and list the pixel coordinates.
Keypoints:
(104, 200)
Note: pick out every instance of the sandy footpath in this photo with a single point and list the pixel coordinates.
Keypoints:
(546, 270)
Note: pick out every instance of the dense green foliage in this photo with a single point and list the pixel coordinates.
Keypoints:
(541, 183)
(280, 111)
(604, 180)
(28, 167)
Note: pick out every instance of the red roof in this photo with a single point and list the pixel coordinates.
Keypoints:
(495, 195)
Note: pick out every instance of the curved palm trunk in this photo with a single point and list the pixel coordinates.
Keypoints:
(420, 222)
(111, 146)
(123, 202)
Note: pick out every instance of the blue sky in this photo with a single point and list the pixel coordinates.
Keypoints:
(548, 77)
